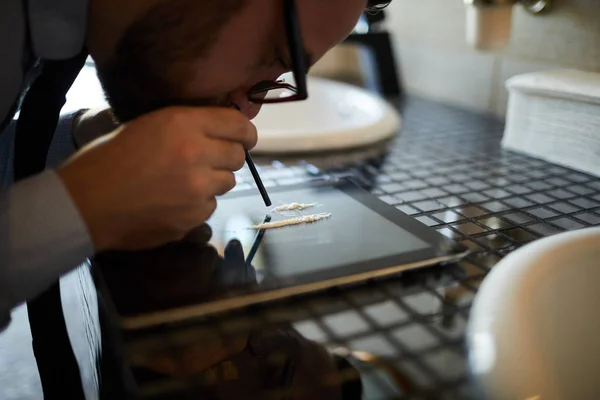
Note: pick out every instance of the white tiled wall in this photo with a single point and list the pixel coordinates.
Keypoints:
(436, 62)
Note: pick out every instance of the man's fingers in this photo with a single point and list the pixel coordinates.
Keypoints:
(222, 182)
(225, 155)
(232, 125)
(219, 123)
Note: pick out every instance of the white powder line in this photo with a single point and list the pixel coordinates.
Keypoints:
(307, 219)
(294, 207)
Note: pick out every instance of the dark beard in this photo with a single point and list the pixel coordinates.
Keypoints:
(133, 94)
(129, 95)
(154, 59)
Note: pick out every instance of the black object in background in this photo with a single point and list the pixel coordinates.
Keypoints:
(379, 42)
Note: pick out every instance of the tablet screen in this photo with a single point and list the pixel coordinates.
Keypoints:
(360, 233)
(352, 233)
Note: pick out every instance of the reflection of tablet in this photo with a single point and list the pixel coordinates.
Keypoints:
(363, 238)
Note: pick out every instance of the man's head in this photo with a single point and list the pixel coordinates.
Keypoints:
(156, 53)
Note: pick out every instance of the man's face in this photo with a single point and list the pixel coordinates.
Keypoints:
(212, 52)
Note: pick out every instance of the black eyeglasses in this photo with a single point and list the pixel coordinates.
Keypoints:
(269, 92)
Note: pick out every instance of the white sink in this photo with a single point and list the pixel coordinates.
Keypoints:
(335, 116)
(534, 326)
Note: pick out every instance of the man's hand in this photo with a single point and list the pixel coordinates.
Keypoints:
(156, 178)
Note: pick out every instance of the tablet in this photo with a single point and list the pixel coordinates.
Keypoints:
(359, 238)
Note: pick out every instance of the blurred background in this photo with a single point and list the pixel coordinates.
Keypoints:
(435, 60)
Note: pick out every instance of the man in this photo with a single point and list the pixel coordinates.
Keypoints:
(156, 178)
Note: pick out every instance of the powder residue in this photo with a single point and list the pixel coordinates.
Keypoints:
(307, 219)
(294, 207)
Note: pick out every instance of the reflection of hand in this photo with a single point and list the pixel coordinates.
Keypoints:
(174, 275)
(244, 362)
(232, 272)
(267, 362)
(178, 274)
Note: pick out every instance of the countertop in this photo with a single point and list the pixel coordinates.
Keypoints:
(404, 334)
(447, 170)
